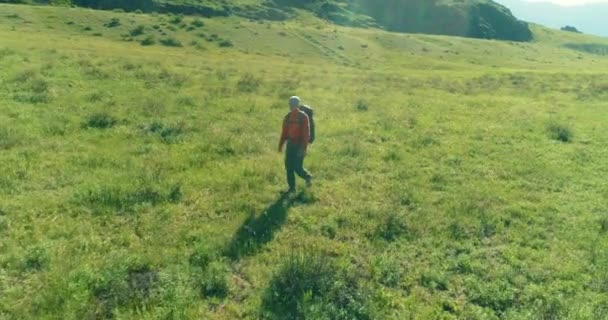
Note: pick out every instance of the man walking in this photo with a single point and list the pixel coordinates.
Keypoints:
(296, 132)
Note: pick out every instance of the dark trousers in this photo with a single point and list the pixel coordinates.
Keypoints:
(294, 164)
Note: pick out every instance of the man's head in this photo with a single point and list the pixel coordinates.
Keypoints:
(294, 103)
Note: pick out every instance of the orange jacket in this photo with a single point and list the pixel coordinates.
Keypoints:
(296, 129)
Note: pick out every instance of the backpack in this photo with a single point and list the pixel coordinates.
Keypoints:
(309, 112)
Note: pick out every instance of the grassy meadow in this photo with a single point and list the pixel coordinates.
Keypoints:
(139, 178)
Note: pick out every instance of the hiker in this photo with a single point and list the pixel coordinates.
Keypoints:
(298, 133)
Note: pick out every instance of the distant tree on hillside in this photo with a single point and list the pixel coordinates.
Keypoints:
(570, 29)
(129, 5)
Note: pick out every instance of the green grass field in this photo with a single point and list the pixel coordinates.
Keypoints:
(454, 178)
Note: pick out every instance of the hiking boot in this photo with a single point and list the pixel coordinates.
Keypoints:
(309, 182)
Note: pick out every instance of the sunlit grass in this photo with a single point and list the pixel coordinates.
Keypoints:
(454, 178)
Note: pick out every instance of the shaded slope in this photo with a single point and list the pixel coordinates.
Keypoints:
(470, 18)
(476, 19)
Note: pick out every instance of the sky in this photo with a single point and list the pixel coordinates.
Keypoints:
(571, 2)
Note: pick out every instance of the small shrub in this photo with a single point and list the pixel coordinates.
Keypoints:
(139, 30)
(361, 106)
(39, 91)
(462, 264)
(604, 224)
(601, 309)
(198, 23)
(497, 295)
(167, 133)
(392, 155)
(170, 134)
(87, 66)
(127, 283)
(214, 281)
(87, 28)
(39, 86)
(148, 41)
(570, 29)
(387, 271)
(24, 76)
(35, 259)
(113, 23)
(186, 101)
(141, 278)
(96, 96)
(170, 42)
(313, 286)
(8, 138)
(393, 227)
(248, 83)
(173, 78)
(201, 257)
(175, 194)
(5, 52)
(328, 231)
(3, 224)
(287, 86)
(124, 199)
(428, 140)
(560, 132)
(176, 19)
(33, 98)
(488, 226)
(434, 281)
(100, 121)
(225, 44)
(221, 74)
(152, 107)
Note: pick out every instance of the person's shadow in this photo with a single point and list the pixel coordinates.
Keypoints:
(257, 231)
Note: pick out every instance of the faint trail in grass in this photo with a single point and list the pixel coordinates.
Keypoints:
(325, 50)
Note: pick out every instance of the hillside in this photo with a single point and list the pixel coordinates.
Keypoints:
(455, 178)
(483, 19)
(476, 19)
(590, 18)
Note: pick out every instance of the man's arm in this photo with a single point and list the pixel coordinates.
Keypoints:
(283, 136)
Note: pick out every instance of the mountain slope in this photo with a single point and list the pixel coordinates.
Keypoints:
(477, 19)
(469, 18)
(590, 18)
